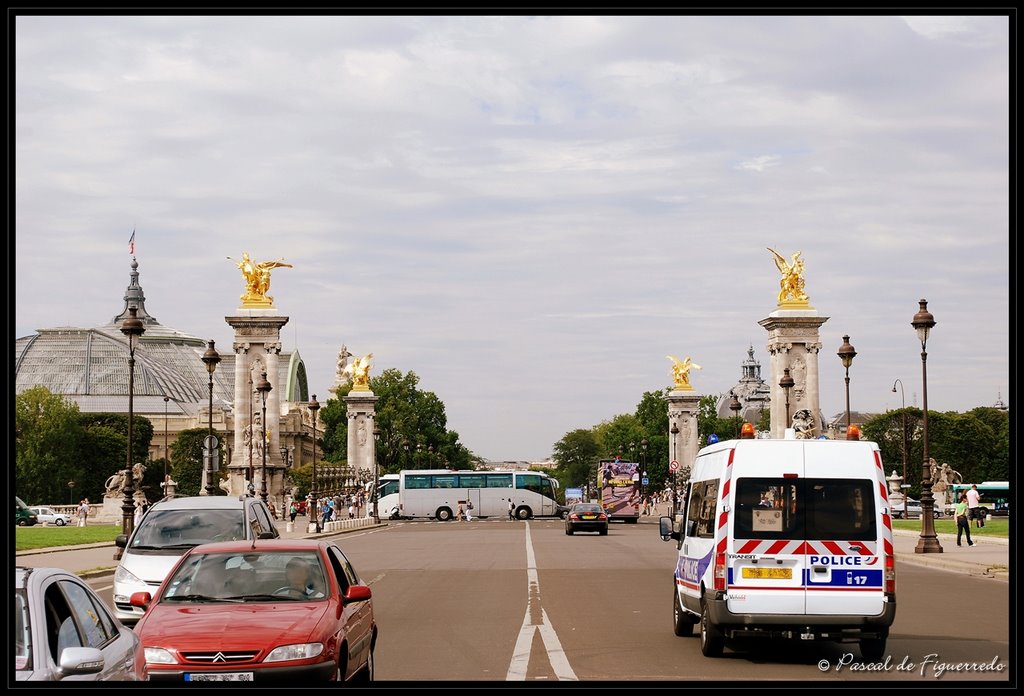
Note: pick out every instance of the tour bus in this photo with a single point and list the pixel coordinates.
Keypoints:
(618, 484)
(387, 496)
(995, 496)
(437, 493)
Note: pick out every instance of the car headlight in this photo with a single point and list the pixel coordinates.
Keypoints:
(122, 574)
(301, 651)
(159, 656)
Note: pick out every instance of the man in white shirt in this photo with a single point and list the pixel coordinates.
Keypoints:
(973, 503)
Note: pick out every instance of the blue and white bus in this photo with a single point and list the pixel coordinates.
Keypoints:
(436, 493)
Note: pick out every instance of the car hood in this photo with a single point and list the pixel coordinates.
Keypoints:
(231, 626)
(151, 567)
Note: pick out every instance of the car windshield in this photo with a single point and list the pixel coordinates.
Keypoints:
(587, 507)
(183, 528)
(248, 576)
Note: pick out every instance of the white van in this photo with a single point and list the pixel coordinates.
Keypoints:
(171, 527)
(785, 539)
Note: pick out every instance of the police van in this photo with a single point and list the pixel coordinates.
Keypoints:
(785, 539)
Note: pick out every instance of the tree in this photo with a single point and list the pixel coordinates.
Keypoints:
(577, 455)
(46, 437)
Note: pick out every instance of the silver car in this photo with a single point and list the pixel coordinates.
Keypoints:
(64, 632)
(50, 516)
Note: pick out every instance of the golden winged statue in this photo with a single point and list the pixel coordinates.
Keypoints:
(681, 372)
(359, 371)
(791, 285)
(257, 280)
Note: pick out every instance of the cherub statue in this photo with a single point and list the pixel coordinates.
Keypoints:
(257, 279)
(681, 371)
(791, 285)
(342, 374)
(359, 372)
(803, 424)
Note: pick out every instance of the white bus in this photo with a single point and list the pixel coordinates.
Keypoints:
(387, 496)
(436, 493)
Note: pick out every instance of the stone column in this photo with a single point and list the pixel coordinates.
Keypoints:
(361, 446)
(257, 333)
(793, 342)
(683, 407)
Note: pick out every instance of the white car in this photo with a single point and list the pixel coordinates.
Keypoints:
(913, 510)
(49, 516)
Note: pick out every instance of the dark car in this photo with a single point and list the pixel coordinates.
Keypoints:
(23, 516)
(274, 610)
(586, 517)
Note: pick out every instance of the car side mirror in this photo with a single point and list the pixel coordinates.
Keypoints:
(358, 593)
(267, 535)
(120, 541)
(140, 599)
(77, 660)
(665, 529)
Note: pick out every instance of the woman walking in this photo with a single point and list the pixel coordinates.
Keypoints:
(962, 523)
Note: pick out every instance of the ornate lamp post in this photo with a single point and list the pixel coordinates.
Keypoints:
(211, 358)
(376, 478)
(251, 486)
(167, 451)
(928, 543)
(847, 354)
(133, 328)
(314, 406)
(675, 494)
(735, 406)
(71, 491)
(263, 386)
(904, 401)
(643, 468)
(786, 383)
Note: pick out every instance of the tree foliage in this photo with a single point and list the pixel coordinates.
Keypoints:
(46, 436)
(187, 462)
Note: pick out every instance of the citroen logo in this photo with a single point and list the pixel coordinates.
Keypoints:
(219, 657)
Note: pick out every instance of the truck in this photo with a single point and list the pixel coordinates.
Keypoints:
(618, 483)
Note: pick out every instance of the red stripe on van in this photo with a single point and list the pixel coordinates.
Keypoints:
(722, 543)
(725, 488)
(835, 548)
(881, 491)
(887, 521)
(878, 461)
(723, 519)
(777, 546)
(749, 546)
(887, 545)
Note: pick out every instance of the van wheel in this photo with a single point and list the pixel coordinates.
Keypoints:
(22, 523)
(524, 513)
(683, 624)
(711, 639)
(872, 649)
(443, 514)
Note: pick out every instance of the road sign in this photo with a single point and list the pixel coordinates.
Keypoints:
(674, 466)
(210, 442)
(645, 481)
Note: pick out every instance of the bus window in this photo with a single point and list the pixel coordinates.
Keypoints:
(546, 490)
(530, 482)
(499, 480)
(417, 481)
(472, 481)
(446, 481)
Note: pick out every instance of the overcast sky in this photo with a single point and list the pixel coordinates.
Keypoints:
(530, 213)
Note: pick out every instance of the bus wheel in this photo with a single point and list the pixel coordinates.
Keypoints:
(443, 514)
(524, 513)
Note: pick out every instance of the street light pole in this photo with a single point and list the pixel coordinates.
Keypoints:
(786, 383)
(904, 401)
(251, 486)
(675, 494)
(643, 468)
(211, 358)
(376, 479)
(846, 355)
(133, 328)
(929, 542)
(167, 452)
(263, 386)
(735, 406)
(314, 406)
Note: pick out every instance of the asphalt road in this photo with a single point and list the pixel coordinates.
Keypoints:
(496, 601)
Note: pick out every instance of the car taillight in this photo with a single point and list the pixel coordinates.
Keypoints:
(890, 574)
(720, 571)
(574, 516)
(601, 516)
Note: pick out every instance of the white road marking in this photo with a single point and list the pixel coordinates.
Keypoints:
(524, 643)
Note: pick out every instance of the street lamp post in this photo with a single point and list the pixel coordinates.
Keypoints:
(263, 386)
(212, 450)
(904, 401)
(376, 479)
(71, 491)
(251, 486)
(643, 468)
(928, 543)
(786, 383)
(847, 354)
(675, 494)
(133, 328)
(735, 406)
(314, 406)
(167, 452)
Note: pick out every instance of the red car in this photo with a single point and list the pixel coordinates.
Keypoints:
(264, 610)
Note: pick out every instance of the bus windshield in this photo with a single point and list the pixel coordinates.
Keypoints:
(994, 496)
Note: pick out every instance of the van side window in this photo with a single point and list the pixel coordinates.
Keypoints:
(703, 507)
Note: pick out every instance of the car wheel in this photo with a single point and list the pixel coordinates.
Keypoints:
(60, 522)
(682, 623)
(711, 640)
(872, 649)
(366, 673)
(568, 530)
(443, 514)
(22, 523)
(604, 532)
(524, 513)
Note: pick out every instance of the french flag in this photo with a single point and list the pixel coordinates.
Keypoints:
(131, 244)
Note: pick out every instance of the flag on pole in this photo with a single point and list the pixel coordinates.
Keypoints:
(131, 244)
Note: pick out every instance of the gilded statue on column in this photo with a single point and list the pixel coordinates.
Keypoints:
(791, 285)
(359, 371)
(681, 372)
(257, 280)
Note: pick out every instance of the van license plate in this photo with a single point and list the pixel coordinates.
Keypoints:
(768, 573)
(219, 676)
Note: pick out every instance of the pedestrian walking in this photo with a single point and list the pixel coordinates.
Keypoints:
(974, 507)
(83, 512)
(293, 510)
(962, 523)
(469, 507)
(460, 512)
(273, 510)
(511, 509)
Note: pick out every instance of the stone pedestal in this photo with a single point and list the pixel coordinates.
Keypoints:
(682, 412)
(794, 342)
(362, 449)
(257, 346)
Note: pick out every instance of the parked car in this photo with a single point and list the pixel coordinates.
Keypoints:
(50, 516)
(170, 528)
(23, 515)
(63, 631)
(586, 517)
(913, 510)
(277, 610)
